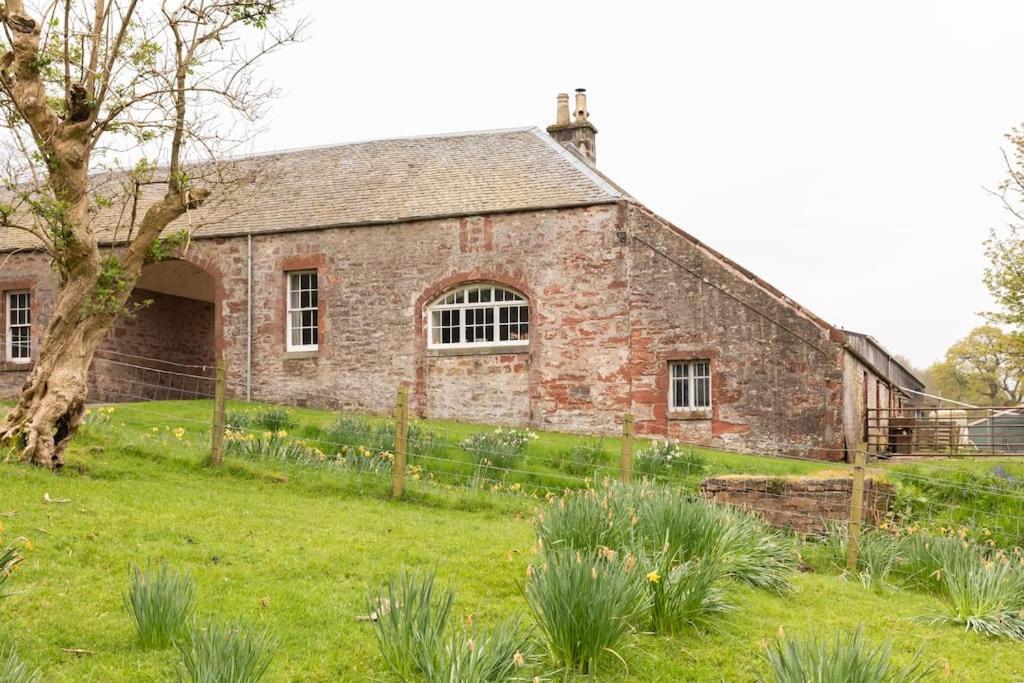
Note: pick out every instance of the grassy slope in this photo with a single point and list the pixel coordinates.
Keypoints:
(314, 543)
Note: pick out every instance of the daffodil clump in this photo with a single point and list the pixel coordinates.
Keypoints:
(501, 448)
(412, 621)
(586, 604)
(669, 553)
(666, 460)
(981, 586)
(10, 557)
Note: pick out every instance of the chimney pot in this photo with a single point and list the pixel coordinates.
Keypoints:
(580, 134)
(581, 105)
(562, 114)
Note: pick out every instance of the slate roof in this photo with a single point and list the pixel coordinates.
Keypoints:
(384, 181)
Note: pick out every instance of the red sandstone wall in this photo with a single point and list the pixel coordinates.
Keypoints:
(375, 283)
(805, 504)
(29, 271)
(152, 354)
(770, 391)
(607, 314)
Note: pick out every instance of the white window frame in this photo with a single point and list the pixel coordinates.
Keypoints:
(688, 374)
(290, 309)
(9, 324)
(450, 301)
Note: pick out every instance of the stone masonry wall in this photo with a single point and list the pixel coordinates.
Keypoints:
(608, 313)
(30, 271)
(776, 385)
(375, 283)
(804, 504)
(164, 351)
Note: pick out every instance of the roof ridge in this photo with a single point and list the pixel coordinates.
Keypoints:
(352, 143)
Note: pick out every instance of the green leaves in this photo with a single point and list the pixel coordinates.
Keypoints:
(846, 658)
(160, 603)
(585, 604)
(228, 652)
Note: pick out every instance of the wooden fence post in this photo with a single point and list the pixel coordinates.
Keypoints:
(219, 412)
(401, 442)
(626, 459)
(856, 507)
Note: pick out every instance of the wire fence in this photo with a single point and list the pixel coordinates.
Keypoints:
(986, 498)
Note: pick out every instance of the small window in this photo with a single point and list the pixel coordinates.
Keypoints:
(303, 329)
(479, 315)
(689, 385)
(19, 327)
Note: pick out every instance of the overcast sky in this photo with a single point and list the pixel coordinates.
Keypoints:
(838, 150)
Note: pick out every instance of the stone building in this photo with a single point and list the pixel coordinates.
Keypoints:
(499, 274)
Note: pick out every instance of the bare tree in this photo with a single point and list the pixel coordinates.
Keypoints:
(86, 86)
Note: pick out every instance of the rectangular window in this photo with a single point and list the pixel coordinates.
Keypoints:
(19, 327)
(689, 385)
(303, 315)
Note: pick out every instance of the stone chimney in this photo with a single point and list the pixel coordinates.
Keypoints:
(580, 133)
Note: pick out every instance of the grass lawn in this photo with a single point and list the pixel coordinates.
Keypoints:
(298, 548)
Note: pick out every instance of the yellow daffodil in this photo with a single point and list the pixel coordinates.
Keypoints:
(654, 576)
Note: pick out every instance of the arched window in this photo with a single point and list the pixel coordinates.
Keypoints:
(479, 315)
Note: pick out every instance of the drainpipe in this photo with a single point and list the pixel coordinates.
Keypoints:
(248, 322)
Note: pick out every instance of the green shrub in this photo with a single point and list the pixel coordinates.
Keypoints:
(409, 619)
(584, 458)
(847, 659)
(14, 670)
(687, 595)
(232, 652)
(585, 604)
(499, 449)
(501, 653)
(667, 460)
(160, 603)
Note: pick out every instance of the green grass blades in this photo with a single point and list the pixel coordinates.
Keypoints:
(585, 604)
(690, 595)
(10, 558)
(645, 519)
(14, 670)
(986, 596)
(272, 418)
(160, 603)
(232, 652)
(671, 461)
(879, 559)
(492, 655)
(847, 658)
(499, 449)
(409, 617)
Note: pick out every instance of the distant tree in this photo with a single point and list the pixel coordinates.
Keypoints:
(984, 368)
(1004, 275)
(84, 87)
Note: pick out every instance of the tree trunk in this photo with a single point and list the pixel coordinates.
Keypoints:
(51, 405)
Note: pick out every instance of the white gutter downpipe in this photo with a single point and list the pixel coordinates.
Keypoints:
(248, 322)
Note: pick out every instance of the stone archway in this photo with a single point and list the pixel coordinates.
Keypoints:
(165, 345)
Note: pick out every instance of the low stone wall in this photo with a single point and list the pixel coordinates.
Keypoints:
(804, 504)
